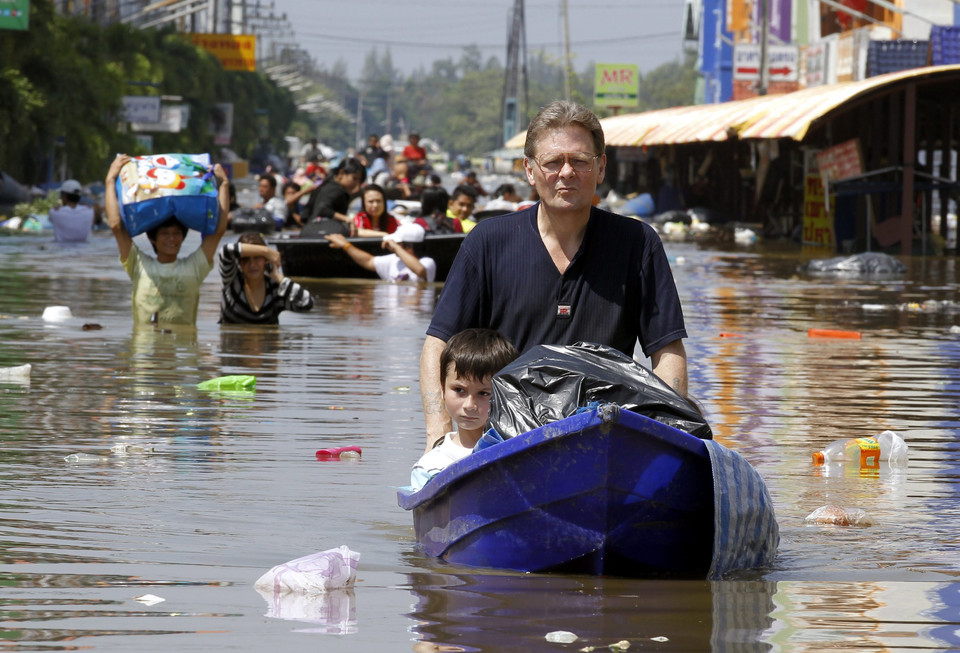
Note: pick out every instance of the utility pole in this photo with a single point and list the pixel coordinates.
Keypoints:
(764, 45)
(566, 52)
(516, 50)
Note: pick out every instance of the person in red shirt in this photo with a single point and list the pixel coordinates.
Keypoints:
(415, 155)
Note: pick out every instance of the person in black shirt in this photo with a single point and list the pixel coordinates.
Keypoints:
(331, 200)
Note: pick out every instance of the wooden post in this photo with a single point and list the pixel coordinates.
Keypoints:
(909, 158)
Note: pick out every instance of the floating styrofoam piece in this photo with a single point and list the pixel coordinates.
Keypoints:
(561, 637)
(16, 373)
(56, 313)
(149, 599)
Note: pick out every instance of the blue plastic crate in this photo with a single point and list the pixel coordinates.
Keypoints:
(944, 45)
(900, 54)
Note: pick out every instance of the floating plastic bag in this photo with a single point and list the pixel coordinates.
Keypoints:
(312, 574)
(153, 188)
(550, 382)
(839, 516)
(235, 382)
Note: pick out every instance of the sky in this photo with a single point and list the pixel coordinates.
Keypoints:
(419, 32)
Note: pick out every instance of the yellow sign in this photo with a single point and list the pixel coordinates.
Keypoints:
(234, 51)
(617, 85)
(817, 218)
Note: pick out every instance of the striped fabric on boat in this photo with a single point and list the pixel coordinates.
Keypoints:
(746, 533)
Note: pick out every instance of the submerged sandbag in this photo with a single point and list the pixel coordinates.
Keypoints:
(867, 263)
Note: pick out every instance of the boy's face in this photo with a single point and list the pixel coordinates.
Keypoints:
(462, 206)
(467, 400)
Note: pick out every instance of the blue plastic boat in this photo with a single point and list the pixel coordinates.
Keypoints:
(602, 492)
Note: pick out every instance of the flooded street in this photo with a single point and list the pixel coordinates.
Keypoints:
(215, 489)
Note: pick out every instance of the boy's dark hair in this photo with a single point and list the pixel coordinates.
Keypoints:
(503, 189)
(464, 189)
(476, 354)
(270, 179)
(169, 222)
(290, 184)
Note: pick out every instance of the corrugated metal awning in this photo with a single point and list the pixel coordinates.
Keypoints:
(790, 115)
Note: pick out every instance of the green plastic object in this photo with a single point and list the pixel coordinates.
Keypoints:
(241, 382)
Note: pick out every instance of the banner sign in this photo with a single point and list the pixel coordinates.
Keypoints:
(14, 14)
(173, 119)
(617, 85)
(817, 216)
(783, 62)
(234, 51)
(840, 161)
(141, 108)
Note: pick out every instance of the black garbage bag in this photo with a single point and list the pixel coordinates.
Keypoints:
(550, 382)
(259, 220)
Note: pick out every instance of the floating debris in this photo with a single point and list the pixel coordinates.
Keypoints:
(622, 645)
(149, 599)
(839, 516)
(561, 637)
(91, 326)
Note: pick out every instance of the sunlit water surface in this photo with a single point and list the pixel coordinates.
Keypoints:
(231, 486)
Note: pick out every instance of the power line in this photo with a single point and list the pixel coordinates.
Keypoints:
(483, 46)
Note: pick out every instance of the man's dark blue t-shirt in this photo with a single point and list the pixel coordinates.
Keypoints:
(618, 288)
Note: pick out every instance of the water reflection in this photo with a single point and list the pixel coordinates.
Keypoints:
(501, 611)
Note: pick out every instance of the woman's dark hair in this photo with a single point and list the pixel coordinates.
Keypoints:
(351, 166)
(251, 238)
(376, 188)
(169, 222)
(503, 189)
(434, 200)
(290, 184)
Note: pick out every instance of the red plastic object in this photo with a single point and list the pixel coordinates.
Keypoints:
(334, 454)
(834, 333)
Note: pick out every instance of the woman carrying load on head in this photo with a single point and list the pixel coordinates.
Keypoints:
(373, 219)
(254, 290)
(166, 289)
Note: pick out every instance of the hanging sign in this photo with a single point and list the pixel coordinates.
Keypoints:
(14, 14)
(234, 51)
(617, 85)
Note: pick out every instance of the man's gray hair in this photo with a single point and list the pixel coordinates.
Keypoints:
(560, 114)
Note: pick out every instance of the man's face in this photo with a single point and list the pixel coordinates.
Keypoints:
(372, 141)
(414, 140)
(266, 190)
(565, 188)
(462, 206)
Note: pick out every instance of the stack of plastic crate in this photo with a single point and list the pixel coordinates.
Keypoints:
(944, 45)
(900, 54)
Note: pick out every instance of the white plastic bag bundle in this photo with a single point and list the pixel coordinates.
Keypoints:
(313, 574)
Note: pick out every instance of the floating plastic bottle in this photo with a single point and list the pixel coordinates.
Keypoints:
(237, 382)
(867, 452)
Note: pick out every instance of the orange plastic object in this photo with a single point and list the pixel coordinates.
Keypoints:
(726, 334)
(337, 452)
(834, 333)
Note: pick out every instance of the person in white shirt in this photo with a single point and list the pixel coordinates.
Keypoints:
(71, 220)
(467, 365)
(402, 264)
(274, 205)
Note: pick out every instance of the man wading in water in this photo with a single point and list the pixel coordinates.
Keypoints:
(562, 270)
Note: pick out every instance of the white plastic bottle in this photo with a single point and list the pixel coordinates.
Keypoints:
(867, 452)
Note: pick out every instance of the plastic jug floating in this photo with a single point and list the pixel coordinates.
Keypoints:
(867, 452)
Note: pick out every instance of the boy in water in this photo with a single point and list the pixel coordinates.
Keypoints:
(467, 364)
